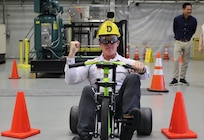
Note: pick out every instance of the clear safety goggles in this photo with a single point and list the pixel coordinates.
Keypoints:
(108, 39)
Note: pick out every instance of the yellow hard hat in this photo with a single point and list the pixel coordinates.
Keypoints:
(108, 28)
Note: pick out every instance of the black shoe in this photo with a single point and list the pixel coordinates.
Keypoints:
(174, 82)
(127, 130)
(126, 133)
(184, 82)
(76, 138)
(137, 117)
(83, 136)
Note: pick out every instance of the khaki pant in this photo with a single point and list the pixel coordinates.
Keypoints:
(179, 49)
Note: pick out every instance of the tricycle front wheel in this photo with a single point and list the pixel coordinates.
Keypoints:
(104, 119)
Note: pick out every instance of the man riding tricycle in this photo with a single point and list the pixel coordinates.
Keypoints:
(110, 106)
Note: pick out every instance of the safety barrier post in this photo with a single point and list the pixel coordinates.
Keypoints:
(27, 48)
(20, 65)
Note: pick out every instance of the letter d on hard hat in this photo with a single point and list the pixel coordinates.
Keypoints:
(108, 28)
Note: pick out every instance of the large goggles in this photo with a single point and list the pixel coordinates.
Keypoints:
(108, 39)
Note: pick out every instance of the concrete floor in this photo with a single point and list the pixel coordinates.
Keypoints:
(48, 100)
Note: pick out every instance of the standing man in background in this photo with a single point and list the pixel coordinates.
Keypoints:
(184, 26)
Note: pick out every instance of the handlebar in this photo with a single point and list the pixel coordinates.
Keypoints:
(86, 63)
(76, 65)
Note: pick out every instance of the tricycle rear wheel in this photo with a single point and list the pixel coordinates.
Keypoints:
(146, 121)
(73, 119)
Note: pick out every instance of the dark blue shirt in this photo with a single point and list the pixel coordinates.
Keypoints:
(184, 28)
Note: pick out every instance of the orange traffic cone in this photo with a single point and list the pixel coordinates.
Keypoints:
(14, 74)
(173, 59)
(179, 124)
(158, 77)
(20, 125)
(181, 58)
(166, 53)
(136, 56)
(127, 55)
(145, 50)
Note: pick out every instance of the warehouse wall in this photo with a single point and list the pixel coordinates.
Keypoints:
(152, 25)
(149, 24)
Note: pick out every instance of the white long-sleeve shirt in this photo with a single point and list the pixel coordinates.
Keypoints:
(79, 74)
